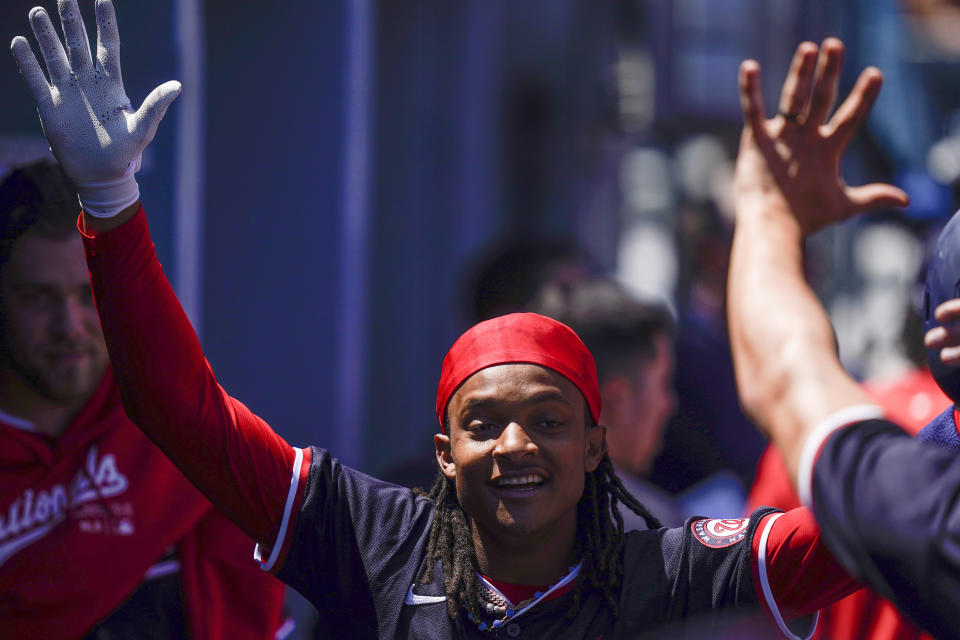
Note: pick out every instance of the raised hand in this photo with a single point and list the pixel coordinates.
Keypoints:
(946, 337)
(791, 162)
(86, 115)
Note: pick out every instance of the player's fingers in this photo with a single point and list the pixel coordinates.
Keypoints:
(950, 356)
(948, 313)
(946, 337)
(796, 88)
(875, 196)
(751, 97)
(108, 38)
(53, 54)
(825, 80)
(851, 115)
(943, 337)
(152, 110)
(75, 35)
(30, 69)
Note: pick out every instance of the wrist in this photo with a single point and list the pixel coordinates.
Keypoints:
(107, 198)
(93, 226)
(768, 212)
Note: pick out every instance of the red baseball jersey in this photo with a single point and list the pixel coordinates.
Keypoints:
(89, 518)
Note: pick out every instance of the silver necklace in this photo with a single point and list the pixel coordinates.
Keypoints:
(499, 607)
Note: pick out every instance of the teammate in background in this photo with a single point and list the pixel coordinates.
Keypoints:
(911, 400)
(521, 530)
(632, 343)
(885, 502)
(100, 535)
(940, 287)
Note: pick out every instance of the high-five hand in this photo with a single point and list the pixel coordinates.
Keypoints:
(86, 115)
(791, 162)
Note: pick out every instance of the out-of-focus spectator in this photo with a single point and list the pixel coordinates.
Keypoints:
(708, 440)
(632, 343)
(100, 535)
(509, 275)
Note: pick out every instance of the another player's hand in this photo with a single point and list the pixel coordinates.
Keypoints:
(86, 115)
(946, 337)
(791, 162)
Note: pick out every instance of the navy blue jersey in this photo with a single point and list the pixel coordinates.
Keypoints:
(888, 508)
(942, 430)
(359, 546)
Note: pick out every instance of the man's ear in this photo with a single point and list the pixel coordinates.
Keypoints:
(596, 447)
(441, 443)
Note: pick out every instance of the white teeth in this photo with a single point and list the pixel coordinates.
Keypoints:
(530, 479)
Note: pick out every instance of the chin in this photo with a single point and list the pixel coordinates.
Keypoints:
(520, 526)
(73, 388)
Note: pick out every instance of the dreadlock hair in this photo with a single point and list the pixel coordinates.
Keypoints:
(599, 542)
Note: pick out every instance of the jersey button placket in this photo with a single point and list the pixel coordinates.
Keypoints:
(513, 630)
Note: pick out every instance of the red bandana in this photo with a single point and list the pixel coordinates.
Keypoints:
(519, 338)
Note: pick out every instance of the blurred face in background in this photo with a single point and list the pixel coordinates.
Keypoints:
(637, 402)
(51, 336)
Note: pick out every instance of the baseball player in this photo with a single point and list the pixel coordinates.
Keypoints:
(943, 274)
(520, 535)
(100, 535)
(885, 502)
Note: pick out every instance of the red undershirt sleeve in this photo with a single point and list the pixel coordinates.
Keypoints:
(794, 573)
(170, 392)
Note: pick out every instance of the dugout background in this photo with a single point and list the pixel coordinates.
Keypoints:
(350, 159)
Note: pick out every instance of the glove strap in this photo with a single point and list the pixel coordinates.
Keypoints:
(107, 199)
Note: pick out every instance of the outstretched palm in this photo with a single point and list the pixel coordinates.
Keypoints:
(792, 161)
(86, 115)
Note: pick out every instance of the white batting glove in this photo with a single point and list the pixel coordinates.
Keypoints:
(86, 115)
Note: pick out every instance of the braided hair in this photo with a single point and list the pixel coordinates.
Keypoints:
(599, 542)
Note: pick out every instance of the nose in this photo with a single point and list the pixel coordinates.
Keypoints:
(514, 442)
(70, 318)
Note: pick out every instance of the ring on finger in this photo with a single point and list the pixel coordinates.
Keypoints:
(792, 116)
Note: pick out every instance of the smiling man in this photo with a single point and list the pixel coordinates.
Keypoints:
(100, 536)
(520, 535)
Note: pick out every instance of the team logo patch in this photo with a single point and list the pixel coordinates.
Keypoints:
(720, 533)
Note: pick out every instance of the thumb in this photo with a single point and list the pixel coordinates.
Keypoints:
(152, 110)
(877, 195)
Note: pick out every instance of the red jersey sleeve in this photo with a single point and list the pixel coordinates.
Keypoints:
(170, 392)
(794, 573)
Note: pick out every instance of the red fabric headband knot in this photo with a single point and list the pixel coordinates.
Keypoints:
(519, 338)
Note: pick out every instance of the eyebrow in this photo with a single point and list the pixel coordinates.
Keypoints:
(539, 397)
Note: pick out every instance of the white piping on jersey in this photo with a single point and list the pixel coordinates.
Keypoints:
(765, 585)
(415, 599)
(289, 626)
(567, 579)
(811, 447)
(285, 520)
(19, 423)
(161, 569)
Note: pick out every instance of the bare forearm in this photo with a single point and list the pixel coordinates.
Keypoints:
(93, 225)
(788, 374)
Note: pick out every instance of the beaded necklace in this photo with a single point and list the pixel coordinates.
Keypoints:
(499, 607)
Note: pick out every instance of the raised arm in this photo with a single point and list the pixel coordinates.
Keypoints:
(788, 185)
(885, 502)
(168, 388)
